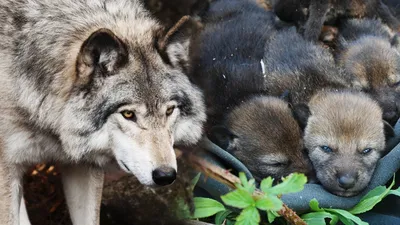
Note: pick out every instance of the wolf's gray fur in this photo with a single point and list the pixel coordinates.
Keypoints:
(69, 72)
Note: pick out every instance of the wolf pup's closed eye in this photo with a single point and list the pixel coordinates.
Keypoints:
(98, 82)
(264, 135)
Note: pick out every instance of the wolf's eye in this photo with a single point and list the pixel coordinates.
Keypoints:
(170, 110)
(366, 151)
(326, 149)
(129, 115)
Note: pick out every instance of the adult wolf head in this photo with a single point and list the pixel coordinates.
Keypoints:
(132, 100)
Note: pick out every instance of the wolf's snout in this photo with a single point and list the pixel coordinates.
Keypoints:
(164, 175)
(346, 181)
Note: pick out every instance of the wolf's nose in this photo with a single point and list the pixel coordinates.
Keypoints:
(346, 181)
(164, 175)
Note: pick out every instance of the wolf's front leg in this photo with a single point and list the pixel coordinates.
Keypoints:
(10, 193)
(83, 188)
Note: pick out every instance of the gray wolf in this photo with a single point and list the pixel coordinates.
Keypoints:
(90, 84)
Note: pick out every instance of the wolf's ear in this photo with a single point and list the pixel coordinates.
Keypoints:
(102, 52)
(301, 113)
(389, 131)
(395, 42)
(222, 137)
(173, 45)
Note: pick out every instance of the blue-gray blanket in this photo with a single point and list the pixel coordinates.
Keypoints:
(385, 169)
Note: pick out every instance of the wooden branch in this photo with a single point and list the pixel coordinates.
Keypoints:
(227, 178)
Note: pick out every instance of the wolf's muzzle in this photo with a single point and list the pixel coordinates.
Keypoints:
(164, 175)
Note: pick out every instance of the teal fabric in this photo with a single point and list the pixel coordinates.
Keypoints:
(385, 169)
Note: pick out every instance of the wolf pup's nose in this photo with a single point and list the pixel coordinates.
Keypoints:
(346, 181)
(164, 175)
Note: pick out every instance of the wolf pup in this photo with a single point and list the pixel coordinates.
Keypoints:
(311, 15)
(225, 58)
(303, 67)
(263, 134)
(368, 51)
(344, 142)
(88, 83)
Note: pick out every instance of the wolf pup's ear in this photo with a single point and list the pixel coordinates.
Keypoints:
(222, 137)
(301, 113)
(173, 45)
(102, 52)
(389, 131)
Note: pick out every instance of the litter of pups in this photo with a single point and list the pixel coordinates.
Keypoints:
(279, 99)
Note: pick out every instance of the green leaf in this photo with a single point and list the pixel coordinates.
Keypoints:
(221, 217)
(317, 218)
(249, 186)
(293, 183)
(269, 202)
(334, 220)
(238, 198)
(271, 216)
(248, 216)
(243, 179)
(374, 192)
(194, 181)
(205, 207)
(230, 222)
(266, 184)
(395, 192)
(314, 205)
(371, 199)
(347, 215)
(345, 221)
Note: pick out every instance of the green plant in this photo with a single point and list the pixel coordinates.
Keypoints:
(251, 201)
(348, 217)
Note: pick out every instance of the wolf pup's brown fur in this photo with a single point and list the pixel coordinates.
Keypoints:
(263, 134)
(345, 137)
(368, 51)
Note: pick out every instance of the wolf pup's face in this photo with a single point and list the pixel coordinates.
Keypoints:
(263, 134)
(345, 137)
(132, 103)
(373, 62)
